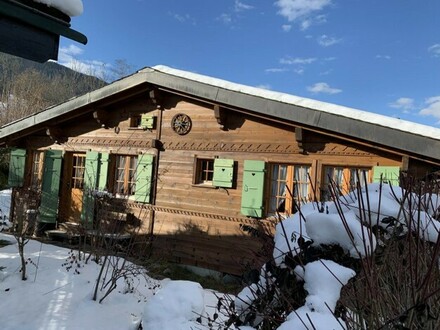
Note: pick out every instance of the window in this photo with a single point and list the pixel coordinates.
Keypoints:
(289, 186)
(204, 172)
(135, 120)
(344, 179)
(125, 175)
(78, 166)
(37, 169)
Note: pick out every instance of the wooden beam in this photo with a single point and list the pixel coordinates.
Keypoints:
(101, 116)
(220, 115)
(156, 98)
(55, 134)
(299, 136)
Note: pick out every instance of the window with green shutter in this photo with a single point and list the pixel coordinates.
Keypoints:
(389, 174)
(253, 188)
(48, 210)
(91, 177)
(17, 164)
(144, 178)
(223, 173)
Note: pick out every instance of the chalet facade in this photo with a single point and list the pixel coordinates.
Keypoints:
(191, 159)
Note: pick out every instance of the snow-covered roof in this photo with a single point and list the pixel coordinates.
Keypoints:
(395, 135)
(330, 108)
(68, 7)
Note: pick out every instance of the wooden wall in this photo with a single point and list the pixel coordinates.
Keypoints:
(197, 224)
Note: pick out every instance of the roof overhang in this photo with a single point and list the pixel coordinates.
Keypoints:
(417, 141)
(32, 30)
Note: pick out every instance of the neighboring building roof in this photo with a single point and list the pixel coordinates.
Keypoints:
(394, 134)
(31, 30)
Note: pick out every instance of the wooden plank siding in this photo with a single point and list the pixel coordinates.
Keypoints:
(195, 223)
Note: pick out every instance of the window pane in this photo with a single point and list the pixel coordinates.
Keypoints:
(289, 186)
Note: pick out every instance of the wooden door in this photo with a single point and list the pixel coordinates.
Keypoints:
(72, 199)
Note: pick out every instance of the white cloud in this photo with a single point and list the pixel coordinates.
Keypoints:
(435, 50)
(67, 57)
(432, 107)
(301, 11)
(306, 23)
(225, 18)
(71, 50)
(403, 103)
(384, 57)
(323, 87)
(297, 60)
(327, 41)
(183, 18)
(240, 6)
(276, 70)
(286, 27)
(299, 70)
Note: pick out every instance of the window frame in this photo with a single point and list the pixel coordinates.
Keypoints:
(200, 171)
(37, 167)
(347, 184)
(128, 180)
(275, 199)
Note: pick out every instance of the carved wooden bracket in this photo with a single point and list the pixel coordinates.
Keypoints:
(299, 136)
(156, 98)
(220, 115)
(55, 134)
(101, 116)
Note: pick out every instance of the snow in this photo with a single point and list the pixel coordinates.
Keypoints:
(68, 7)
(364, 116)
(56, 298)
(61, 298)
(323, 281)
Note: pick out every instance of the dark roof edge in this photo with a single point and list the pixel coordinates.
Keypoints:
(271, 104)
(253, 99)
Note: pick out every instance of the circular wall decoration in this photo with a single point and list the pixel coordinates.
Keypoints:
(181, 123)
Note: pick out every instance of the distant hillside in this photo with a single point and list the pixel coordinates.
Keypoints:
(27, 87)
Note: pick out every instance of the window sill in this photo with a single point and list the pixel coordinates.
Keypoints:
(203, 185)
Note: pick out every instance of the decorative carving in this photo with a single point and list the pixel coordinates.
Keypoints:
(299, 136)
(181, 124)
(220, 115)
(250, 221)
(107, 142)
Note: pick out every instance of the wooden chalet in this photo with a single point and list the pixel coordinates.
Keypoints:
(190, 160)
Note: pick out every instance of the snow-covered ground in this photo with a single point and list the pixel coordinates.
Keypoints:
(55, 296)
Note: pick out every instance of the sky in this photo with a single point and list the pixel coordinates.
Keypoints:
(377, 56)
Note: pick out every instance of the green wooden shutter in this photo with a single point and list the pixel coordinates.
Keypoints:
(48, 210)
(253, 188)
(103, 171)
(91, 176)
(223, 173)
(147, 121)
(389, 174)
(144, 178)
(17, 164)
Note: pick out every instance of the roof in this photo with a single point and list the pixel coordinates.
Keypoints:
(396, 134)
(32, 30)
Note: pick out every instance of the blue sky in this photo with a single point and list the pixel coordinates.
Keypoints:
(379, 56)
